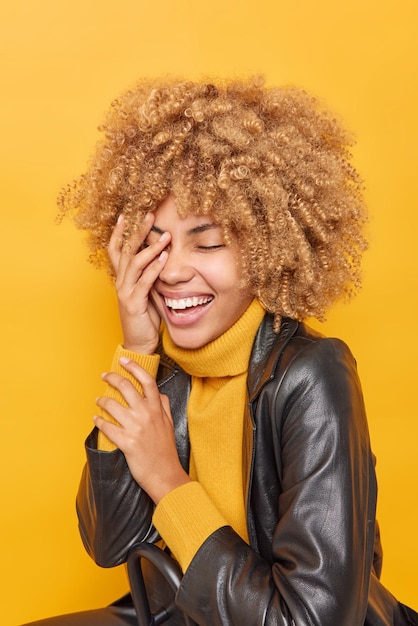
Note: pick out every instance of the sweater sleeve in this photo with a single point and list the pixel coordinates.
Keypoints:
(147, 362)
(185, 518)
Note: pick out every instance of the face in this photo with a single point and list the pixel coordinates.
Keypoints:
(197, 293)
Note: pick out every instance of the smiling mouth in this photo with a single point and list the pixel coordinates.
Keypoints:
(183, 306)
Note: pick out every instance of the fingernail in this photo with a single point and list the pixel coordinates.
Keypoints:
(164, 236)
(120, 218)
(103, 375)
(124, 360)
(163, 256)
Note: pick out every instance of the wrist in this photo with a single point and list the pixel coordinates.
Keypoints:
(162, 488)
(140, 348)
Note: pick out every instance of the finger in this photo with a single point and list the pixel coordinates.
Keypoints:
(146, 264)
(149, 386)
(114, 409)
(166, 406)
(128, 391)
(117, 245)
(112, 432)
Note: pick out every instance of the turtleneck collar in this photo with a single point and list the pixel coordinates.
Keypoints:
(228, 355)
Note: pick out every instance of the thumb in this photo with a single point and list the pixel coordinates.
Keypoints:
(165, 402)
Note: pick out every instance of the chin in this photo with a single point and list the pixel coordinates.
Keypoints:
(189, 340)
(186, 344)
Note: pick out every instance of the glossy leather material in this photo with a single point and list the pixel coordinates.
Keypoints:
(120, 613)
(314, 555)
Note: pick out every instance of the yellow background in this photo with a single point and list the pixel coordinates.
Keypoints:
(62, 63)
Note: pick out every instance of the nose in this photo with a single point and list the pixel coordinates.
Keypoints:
(178, 267)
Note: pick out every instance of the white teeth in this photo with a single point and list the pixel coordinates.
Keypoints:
(186, 303)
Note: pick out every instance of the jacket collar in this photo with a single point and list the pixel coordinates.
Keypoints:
(267, 349)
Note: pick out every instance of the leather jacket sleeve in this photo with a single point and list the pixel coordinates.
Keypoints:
(321, 548)
(113, 512)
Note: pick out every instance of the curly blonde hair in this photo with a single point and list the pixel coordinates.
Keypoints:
(269, 165)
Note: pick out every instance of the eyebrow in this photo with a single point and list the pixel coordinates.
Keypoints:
(201, 228)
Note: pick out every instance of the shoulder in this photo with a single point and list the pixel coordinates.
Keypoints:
(311, 386)
(298, 349)
(308, 348)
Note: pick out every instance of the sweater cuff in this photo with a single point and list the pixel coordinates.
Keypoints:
(185, 518)
(148, 362)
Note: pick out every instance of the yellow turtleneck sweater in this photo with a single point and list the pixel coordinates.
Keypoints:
(186, 516)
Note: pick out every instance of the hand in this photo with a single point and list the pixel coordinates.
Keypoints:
(136, 270)
(146, 432)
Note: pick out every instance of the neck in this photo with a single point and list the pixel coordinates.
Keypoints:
(227, 355)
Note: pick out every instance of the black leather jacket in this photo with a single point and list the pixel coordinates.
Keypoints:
(314, 556)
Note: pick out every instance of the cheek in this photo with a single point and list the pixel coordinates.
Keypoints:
(224, 273)
(222, 279)
(156, 300)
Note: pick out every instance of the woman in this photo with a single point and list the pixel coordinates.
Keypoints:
(230, 432)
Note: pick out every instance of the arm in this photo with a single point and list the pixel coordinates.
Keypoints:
(319, 568)
(113, 512)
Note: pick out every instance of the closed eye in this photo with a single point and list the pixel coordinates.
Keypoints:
(209, 248)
